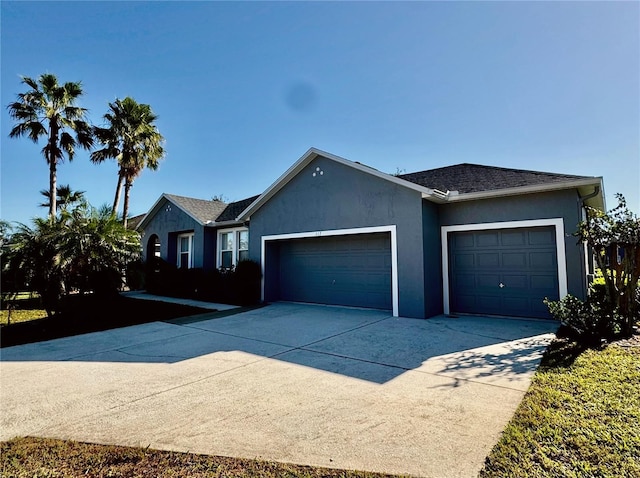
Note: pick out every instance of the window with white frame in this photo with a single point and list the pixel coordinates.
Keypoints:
(233, 247)
(185, 251)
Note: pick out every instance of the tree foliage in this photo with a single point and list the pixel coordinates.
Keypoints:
(85, 249)
(613, 307)
(48, 109)
(133, 140)
(614, 237)
(65, 197)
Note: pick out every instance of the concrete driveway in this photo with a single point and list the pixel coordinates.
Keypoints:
(328, 386)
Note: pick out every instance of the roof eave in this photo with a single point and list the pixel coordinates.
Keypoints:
(597, 201)
(224, 223)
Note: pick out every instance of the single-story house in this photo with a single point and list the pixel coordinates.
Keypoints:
(466, 239)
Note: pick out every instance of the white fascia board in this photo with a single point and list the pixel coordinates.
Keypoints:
(557, 223)
(539, 188)
(391, 229)
(225, 224)
(307, 158)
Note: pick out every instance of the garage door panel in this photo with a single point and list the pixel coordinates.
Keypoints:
(484, 239)
(544, 282)
(514, 259)
(513, 238)
(489, 303)
(487, 281)
(464, 260)
(514, 282)
(542, 237)
(539, 309)
(340, 270)
(488, 259)
(523, 260)
(463, 240)
(543, 260)
(465, 281)
(512, 305)
(467, 301)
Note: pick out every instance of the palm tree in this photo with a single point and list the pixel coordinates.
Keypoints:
(49, 109)
(95, 249)
(132, 139)
(79, 249)
(65, 197)
(33, 255)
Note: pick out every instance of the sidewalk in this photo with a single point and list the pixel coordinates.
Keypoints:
(141, 294)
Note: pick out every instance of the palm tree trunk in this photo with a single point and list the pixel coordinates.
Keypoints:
(125, 207)
(52, 160)
(116, 201)
(53, 177)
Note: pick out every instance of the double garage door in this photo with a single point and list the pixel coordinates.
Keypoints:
(503, 272)
(506, 272)
(352, 270)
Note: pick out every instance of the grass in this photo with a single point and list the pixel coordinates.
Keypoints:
(47, 458)
(580, 418)
(20, 315)
(25, 306)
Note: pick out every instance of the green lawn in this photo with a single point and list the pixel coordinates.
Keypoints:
(25, 307)
(42, 457)
(19, 315)
(580, 418)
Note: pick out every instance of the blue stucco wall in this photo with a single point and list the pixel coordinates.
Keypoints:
(209, 248)
(432, 252)
(344, 198)
(167, 224)
(564, 204)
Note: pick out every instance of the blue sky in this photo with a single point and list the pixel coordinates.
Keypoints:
(243, 89)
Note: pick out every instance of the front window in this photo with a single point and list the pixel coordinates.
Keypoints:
(185, 251)
(234, 247)
(243, 245)
(226, 248)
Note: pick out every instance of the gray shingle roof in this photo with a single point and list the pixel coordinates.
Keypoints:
(201, 209)
(470, 178)
(132, 222)
(235, 208)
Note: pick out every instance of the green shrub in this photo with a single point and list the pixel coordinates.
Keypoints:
(135, 275)
(238, 285)
(586, 322)
(247, 277)
(593, 321)
(159, 276)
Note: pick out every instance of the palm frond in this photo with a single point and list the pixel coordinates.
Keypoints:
(68, 144)
(84, 134)
(30, 82)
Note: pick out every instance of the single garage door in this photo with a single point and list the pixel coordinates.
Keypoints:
(352, 270)
(503, 272)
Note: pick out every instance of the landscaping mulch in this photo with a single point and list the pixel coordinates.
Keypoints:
(84, 314)
(633, 341)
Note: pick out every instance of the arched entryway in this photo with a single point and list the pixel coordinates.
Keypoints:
(153, 247)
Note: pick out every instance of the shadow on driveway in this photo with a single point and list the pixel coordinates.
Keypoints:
(364, 344)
